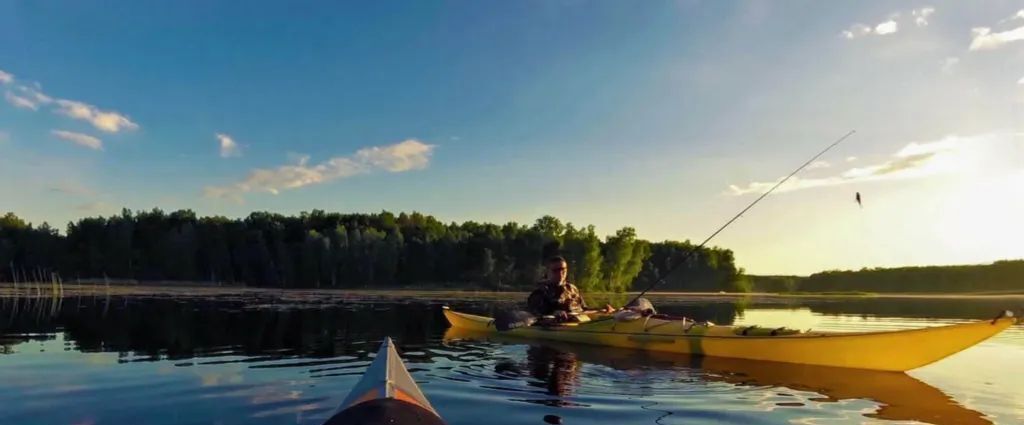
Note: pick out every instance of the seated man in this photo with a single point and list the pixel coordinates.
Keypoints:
(555, 296)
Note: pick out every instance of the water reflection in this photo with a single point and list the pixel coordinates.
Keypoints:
(900, 396)
(285, 361)
(154, 328)
(554, 371)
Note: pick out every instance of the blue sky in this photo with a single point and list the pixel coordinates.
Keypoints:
(665, 116)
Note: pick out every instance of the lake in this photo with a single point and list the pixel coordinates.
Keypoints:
(266, 357)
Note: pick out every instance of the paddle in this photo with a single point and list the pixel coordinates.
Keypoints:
(508, 320)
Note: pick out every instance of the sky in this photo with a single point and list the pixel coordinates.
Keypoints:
(666, 116)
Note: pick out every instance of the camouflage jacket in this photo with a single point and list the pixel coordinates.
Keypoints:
(548, 298)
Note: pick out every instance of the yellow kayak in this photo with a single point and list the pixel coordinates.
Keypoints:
(901, 397)
(889, 351)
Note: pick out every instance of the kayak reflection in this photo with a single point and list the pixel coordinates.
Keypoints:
(900, 396)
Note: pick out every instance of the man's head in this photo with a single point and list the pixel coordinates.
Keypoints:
(557, 269)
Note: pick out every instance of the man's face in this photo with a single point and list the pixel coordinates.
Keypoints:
(558, 272)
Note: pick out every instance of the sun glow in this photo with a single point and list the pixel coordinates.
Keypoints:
(959, 202)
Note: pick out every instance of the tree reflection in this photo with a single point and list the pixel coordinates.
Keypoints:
(170, 328)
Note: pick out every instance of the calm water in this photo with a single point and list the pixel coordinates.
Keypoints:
(263, 360)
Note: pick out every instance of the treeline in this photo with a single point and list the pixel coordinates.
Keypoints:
(1000, 276)
(705, 270)
(319, 249)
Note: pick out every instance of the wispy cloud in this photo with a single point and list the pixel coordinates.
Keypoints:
(96, 207)
(400, 157)
(404, 156)
(915, 160)
(228, 147)
(109, 121)
(1019, 15)
(982, 38)
(79, 139)
(21, 102)
(69, 187)
(816, 165)
(921, 15)
(860, 30)
(1021, 81)
(856, 31)
(949, 63)
(890, 25)
(27, 97)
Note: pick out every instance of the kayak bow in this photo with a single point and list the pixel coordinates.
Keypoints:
(386, 394)
(889, 350)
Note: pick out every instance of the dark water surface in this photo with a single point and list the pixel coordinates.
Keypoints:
(261, 360)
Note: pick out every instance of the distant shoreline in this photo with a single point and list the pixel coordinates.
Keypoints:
(199, 289)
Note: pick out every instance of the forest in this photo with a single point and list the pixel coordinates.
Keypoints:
(1006, 276)
(318, 249)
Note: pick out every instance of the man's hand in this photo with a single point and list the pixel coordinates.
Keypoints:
(561, 315)
(608, 308)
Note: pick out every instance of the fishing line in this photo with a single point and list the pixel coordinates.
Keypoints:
(691, 252)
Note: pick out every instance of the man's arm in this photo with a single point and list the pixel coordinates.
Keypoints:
(583, 304)
(536, 303)
(583, 301)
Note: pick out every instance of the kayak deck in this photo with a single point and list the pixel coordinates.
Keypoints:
(888, 351)
(386, 394)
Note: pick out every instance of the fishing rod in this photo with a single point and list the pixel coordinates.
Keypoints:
(690, 253)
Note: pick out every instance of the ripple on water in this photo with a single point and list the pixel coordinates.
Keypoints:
(274, 365)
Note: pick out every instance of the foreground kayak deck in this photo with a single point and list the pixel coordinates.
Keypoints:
(386, 394)
(888, 351)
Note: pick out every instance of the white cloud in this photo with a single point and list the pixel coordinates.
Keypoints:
(21, 102)
(915, 160)
(27, 98)
(297, 158)
(887, 27)
(1021, 81)
(984, 39)
(891, 24)
(109, 121)
(857, 30)
(921, 15)
(33, 97)
(851, 158)
(405, 156)
(228, 147)
(79, 139)
(949, 63)
(35, 94)
(818, 165)
(1016, 16)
